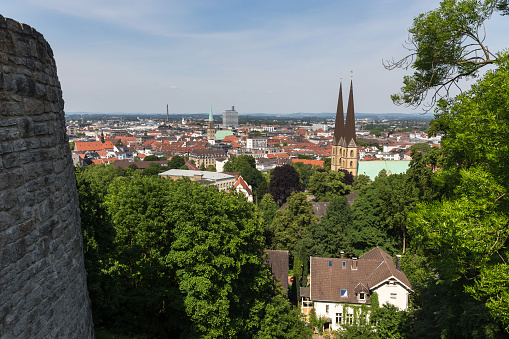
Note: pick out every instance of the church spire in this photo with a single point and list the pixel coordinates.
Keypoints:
(350, 119)
(211, 117)
(339, 126)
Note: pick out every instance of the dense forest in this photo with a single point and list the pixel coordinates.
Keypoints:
(175, 259)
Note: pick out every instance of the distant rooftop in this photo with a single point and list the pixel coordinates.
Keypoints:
(206, 175)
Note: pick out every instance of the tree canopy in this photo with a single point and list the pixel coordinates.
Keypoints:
(446, 45)
(284, 180)
(182, 260)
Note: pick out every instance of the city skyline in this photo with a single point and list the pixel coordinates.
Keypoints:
(263, 57)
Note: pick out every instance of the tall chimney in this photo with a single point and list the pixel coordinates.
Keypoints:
(398, 262)
(354, 263)
(342, 254)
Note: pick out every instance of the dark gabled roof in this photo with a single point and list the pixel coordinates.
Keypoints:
(340, 119)
(385, 269)
(350, 119)
(278, 262)
(328, 276)
(320, 208)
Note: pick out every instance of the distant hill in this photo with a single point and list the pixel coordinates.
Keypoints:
(276, 116)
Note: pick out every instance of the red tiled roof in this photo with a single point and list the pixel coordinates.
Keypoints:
(93, 145)
(240, 181)
(309, 162)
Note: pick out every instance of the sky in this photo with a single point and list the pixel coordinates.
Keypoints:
(264, 56)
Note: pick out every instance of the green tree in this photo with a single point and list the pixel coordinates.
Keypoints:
(446, 44)
(211, 168)
(240, 162)
(291, 224)
(467, 221)
(151, 158)
(331, 235)
(252, 176)
(423, 147)
(267, 211)
(189, 263)
(153, 169)
(325, 185)
(176, 162)
(327, 163)
(305, 171)
(98, 235)
(380, 216)
(360, 181)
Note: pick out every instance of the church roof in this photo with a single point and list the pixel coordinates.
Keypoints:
(340, 122)
(350, 119)
(211, 117)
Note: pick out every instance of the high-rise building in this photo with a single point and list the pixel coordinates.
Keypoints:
(230, 117)
(344, 146)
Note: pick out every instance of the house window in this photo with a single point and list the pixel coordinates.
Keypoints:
(362, 296)
(349, 319)
(339, 318)
(394, 295)
(326, 308)
(343, 264)
(330, 263)
(344, 293)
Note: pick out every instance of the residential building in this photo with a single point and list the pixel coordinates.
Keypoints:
(206, 157)
(338, 285)
(256, 143)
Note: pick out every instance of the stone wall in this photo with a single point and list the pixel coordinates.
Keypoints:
(43, 291)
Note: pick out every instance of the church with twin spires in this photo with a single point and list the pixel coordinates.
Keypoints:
(344, 145)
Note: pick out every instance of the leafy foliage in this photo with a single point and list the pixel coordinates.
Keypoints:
(284, 180)
(240, 162)
(325, 185)
(464, 231)
(186, 261)
(151, 158)
(332, 234)
(176, 162)
(291, 224)
(446, 44)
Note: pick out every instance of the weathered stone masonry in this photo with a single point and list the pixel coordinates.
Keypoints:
(43, 291)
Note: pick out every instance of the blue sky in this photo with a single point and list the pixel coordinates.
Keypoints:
(261, 56)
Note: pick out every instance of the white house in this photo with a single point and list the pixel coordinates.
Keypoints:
(338, 285)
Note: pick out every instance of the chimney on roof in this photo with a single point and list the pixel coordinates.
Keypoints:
(354, 263)
(398, 262)
(342, 254)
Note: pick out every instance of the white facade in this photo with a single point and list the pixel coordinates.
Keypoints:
(392, 292)
(255, 143)
(338, 313)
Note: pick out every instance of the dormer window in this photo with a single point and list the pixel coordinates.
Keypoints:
(344, 293)
(362, 296)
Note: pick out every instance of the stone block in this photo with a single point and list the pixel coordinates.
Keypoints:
(10, 160)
